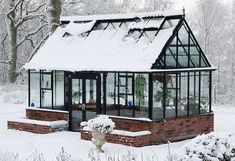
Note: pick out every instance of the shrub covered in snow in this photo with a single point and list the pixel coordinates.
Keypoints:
(65, 156)
(103, 123)
(9, 156)
(211, 147)
(100, 126)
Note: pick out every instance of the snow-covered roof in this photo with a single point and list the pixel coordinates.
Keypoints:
(89, 44)
(121, 16)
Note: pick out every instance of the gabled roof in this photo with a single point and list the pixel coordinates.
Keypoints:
(121, 42)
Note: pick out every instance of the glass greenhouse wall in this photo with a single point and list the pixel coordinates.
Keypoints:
(155, 96)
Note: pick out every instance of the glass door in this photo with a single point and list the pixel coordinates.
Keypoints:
(77, 104)
(84, 97)
(91, 96)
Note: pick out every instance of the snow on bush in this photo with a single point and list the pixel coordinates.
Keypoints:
(9, 156)
(211, 147)
(103, 123)
(16, 94)
(100, 126)
(65, 156)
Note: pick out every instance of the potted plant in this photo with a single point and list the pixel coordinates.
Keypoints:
(160, 95)
(100, 126)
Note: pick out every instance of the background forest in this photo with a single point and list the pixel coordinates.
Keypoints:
(26, 24)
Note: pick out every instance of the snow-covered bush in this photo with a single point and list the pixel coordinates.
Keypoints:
(103, 123)
(35, 156)
(65, 156)
(211, 147)
(128, 155)
(9, 156)
(100, 126)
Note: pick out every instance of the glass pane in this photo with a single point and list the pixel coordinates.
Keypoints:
(126, 94)
(90, 99)
(136, 34)
(58, 90)
(193, 93)
(111, 95)
(183, 94)
(194, 56)
(46, 99)
(116, 25)
(170, 58)
(76, 91)
(203, 62)
(204, 102)
(170, 95)
(35, 89)
(183, 35)
(141, 95)
(76, 119)
(76, 104)
(101, 26)
(91, 91)
(151, 34)
(46, 81)
(158, 96)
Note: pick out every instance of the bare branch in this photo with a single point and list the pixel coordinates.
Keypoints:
(31, 42)
(4, 62)
(27, 18)
(38, 46)
(11, 11)
(31, 34)
(34, 51)
(37, 9)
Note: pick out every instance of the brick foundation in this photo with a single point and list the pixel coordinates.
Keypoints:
(46, 115)
(41, 115)
(34, 128)
(135, 141)
(161, 131)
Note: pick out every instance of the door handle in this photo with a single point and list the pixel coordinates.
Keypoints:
(83, 107)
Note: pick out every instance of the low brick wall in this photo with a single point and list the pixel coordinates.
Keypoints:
(174, 129)
(46, 115)
(131, 124)
(34, 128)
(182, 128)
(135, 141)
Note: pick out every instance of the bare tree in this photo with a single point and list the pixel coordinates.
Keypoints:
(20, 13)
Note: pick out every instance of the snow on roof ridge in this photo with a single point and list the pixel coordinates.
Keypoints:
(121, 15)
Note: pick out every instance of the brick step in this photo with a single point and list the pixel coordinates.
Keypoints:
(46, 114)
(39, 127)
(129, 138)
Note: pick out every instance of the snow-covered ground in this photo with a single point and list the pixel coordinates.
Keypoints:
(50, 145)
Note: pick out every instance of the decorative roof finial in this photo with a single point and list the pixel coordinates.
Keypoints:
(183, 11)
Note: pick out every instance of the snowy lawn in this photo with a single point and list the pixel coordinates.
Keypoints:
(50, 145)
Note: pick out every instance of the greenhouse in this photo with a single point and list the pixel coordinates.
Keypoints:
(143, 66)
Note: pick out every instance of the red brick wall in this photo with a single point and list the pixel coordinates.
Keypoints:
(137, 141)
(170, 130)
(39, 129)
(182, 128)
(131, 124)
(46, 115)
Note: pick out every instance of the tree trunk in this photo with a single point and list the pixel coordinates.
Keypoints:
(12, 75)
(12, 32)
(54, 11)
